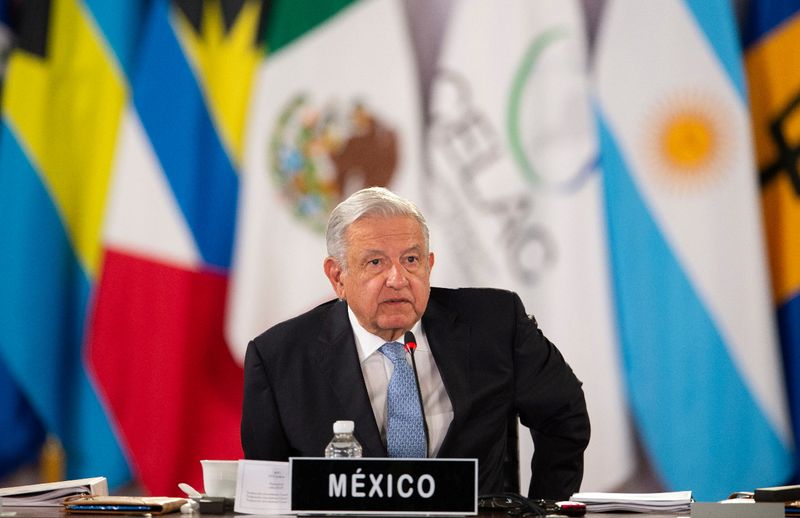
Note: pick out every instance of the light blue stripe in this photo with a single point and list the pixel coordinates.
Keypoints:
(173, 112)
(121, 23)
(699, 422)
(717, 21)
(43, 301)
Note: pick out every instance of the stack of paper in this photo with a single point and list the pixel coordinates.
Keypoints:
(668, 502)
(52, 493)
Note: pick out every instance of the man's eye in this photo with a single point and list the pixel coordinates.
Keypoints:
(375, 262)
(412, 259)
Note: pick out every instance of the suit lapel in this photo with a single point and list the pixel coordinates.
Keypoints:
(449, 343)
(338, 360)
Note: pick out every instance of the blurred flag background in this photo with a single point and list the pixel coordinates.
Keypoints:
(629, 168)
(771, 37)
(679, 175)
(514, 198)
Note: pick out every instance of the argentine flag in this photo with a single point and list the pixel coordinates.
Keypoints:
(698, 340)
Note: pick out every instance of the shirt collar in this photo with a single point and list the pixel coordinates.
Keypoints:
(367, 343)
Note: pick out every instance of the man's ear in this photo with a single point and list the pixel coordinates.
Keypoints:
(334, 272)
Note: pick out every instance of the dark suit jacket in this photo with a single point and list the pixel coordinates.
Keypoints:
(303, 374)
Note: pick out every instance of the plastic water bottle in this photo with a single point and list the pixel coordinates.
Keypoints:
(344, 443)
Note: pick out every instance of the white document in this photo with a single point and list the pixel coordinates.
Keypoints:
(263, 487)
(52, 494)
(672, 501)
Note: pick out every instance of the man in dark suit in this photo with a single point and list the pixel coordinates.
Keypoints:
(480, 359)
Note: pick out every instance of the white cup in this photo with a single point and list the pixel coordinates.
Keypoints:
(219, 477)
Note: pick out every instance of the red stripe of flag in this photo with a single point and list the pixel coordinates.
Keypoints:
(157, 350)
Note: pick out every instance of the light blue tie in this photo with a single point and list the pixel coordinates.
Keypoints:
(405, 434)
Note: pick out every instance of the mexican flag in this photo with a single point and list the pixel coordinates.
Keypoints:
(335, 109)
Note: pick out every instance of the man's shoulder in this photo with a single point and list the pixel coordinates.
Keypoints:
(448, 296)
(475, 302)
(302, 325)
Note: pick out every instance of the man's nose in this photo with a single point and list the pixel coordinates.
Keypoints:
(397, 277)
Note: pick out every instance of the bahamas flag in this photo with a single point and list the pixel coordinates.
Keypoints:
(21, 430)
(156, 344)
(335, 108)
(772, 39)
(63, 95)
(698, 340)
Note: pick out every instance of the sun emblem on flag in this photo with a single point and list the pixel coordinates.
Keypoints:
(320, 155)
(689, 140)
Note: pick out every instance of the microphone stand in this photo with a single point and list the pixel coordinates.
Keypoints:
(411, 347)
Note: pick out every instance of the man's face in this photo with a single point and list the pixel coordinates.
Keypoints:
(387, 279)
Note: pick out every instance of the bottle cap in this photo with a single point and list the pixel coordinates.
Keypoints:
(344, 427)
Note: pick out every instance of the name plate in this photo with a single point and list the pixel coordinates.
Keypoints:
(444, 487)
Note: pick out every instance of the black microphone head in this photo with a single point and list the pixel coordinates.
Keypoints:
(410, 341)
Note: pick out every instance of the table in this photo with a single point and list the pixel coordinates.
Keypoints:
(58, 512)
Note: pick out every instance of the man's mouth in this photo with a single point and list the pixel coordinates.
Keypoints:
(396, 301)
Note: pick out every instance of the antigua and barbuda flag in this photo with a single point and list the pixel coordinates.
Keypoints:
(156, 341)
(698, 339)
(335, 109)
(514, 199)
(772, 39)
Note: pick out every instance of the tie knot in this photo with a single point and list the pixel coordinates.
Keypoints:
(394, 351)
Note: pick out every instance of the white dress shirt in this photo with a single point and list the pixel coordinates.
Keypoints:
(377, 370)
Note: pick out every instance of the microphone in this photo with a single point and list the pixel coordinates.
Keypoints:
(411, 346)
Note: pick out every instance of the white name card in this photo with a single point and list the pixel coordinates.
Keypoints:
(262, 487)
